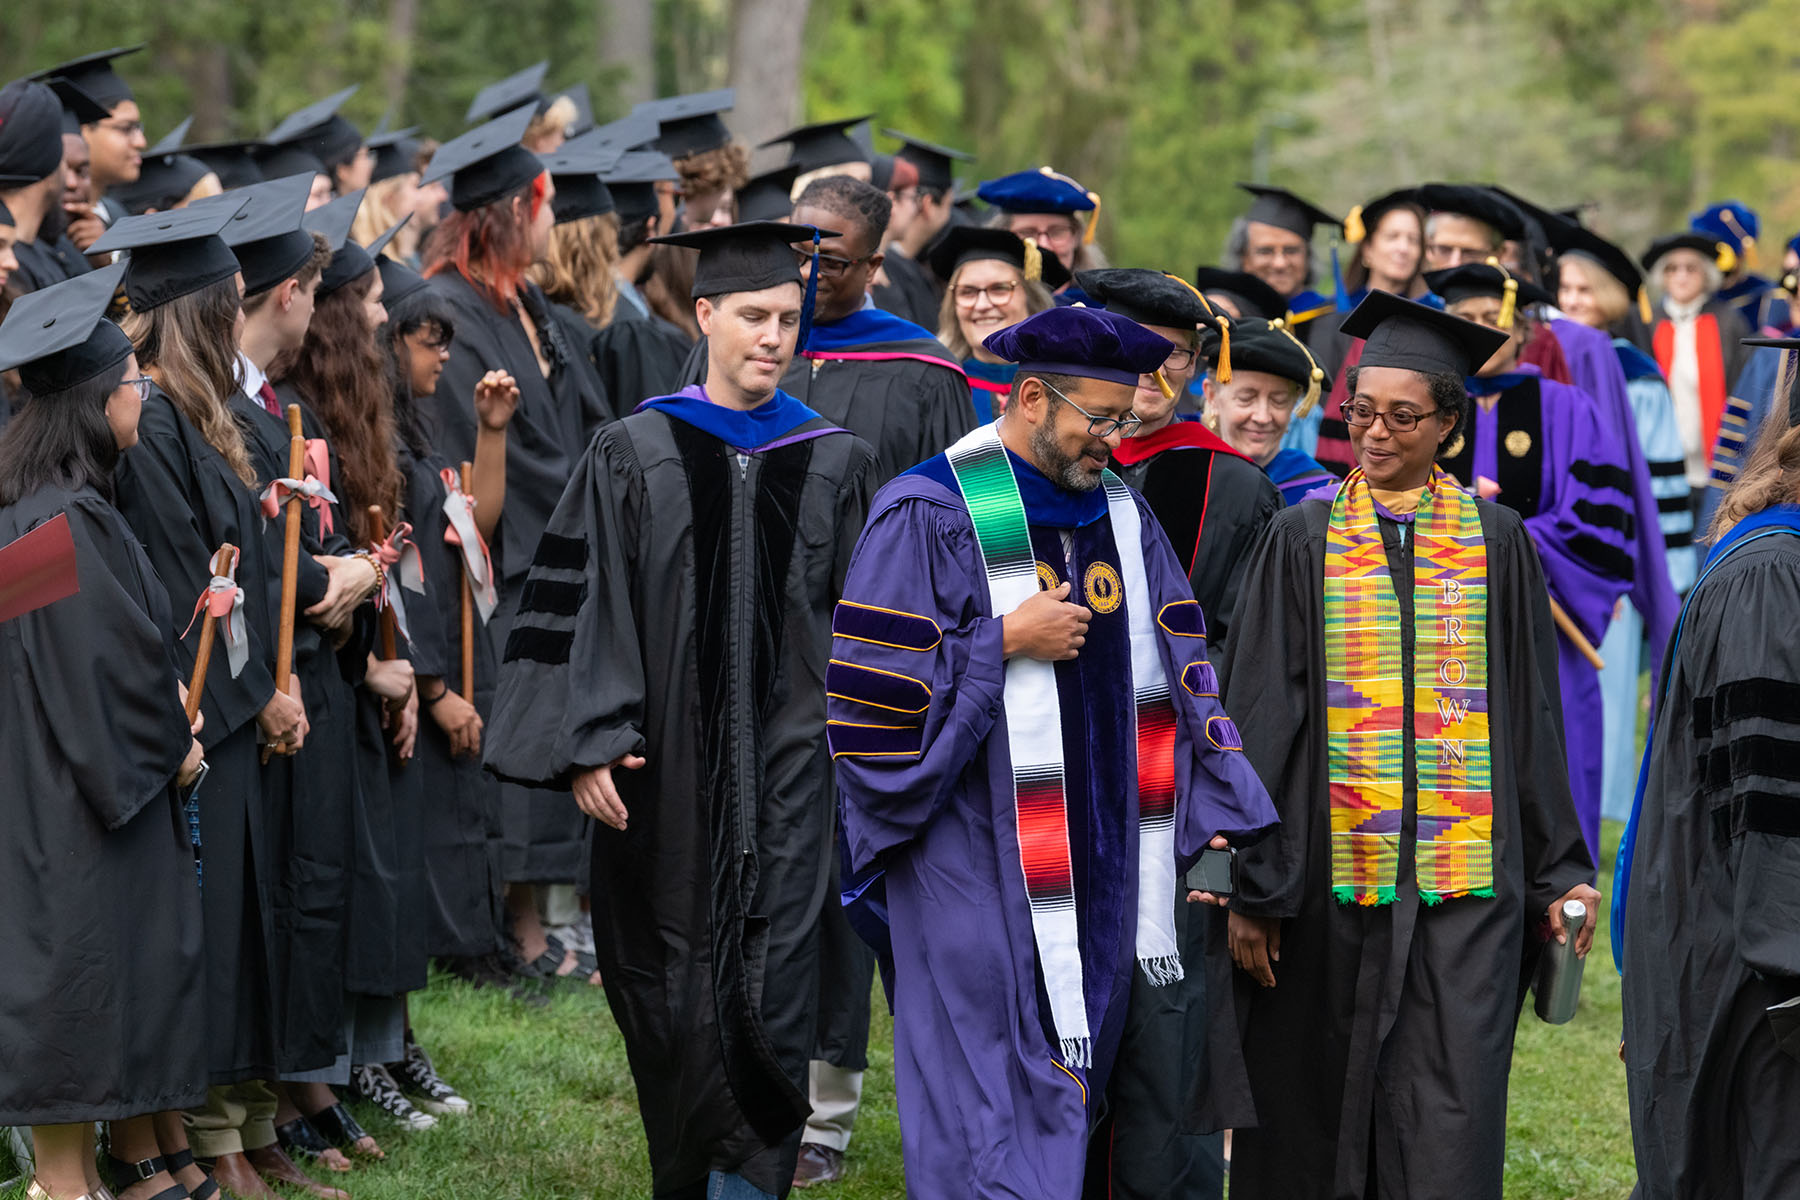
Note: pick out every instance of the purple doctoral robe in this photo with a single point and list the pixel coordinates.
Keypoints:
(1594, 368)
(1561, 467)
(987, 1108)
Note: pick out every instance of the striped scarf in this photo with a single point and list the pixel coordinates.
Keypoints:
(1034, 732)
(1366, 699)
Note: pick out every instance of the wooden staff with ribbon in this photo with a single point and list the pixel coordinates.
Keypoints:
(379, 531)
(468, 605)
(290, 552)
(218, 602)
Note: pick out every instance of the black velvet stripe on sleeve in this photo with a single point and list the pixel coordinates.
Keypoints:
(1603, 556)
(1606, 516)
(549, 646)
(551, 596)
(1667, 467)
(558, 553)
(1672, 504)
(1600, 475)
(1753, 754)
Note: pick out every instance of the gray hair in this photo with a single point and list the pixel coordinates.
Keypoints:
(1237, 244)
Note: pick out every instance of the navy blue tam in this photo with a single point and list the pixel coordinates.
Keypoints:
(1039, 191)
(1086, 342)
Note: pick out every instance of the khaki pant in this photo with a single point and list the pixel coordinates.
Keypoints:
(835, 1094)
(236, 1118)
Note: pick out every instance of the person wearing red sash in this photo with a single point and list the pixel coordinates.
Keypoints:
(1696, 339)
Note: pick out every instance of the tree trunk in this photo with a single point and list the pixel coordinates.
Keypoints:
(402, 23)
(765, 65)
(625, 43)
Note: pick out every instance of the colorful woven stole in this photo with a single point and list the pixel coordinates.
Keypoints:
(1034, 732)
(1366, 699)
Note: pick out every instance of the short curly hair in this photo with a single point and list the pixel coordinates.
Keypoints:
(860, 204)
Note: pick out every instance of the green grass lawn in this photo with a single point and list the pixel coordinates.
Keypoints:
(556, 1116)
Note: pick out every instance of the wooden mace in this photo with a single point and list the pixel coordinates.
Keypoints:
(468, 605)
(221, 563)
(379, 530)
(1566, 623)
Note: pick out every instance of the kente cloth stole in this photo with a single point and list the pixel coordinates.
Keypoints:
(1366, 699)
(1034, 731)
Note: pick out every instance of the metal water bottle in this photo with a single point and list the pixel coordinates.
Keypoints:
(1558, 983)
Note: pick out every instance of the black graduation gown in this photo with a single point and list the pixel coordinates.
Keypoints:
(1712, 930)
(680, 607)
(384, 909)
(102, 1000)
(912, 291)
(638, 357)
(183, 501)
(39, 267)
(543, 832)
(461, 837)
(1214, 506)
(1389, 1031)
(574, 345)
(906, 408)
(309, 796)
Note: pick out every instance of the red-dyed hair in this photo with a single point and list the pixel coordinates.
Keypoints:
(491, 246)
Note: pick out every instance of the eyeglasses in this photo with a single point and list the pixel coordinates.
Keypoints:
(830, 265)
(1270, 253)
(1098, 426)
(1455, 256)
(997, 294)
(142, 384)
(1052, 236)
(128, 128)
(1399, 420)
(1180, 359)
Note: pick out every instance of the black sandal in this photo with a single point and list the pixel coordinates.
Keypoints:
(127, 1175)
(177, 1159)
(337, 1126)
(299, 1139)
(545, 965)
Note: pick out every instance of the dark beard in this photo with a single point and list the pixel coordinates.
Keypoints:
(1063, 470)
(55, 222)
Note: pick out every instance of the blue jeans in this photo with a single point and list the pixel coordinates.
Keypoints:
(720, 1186)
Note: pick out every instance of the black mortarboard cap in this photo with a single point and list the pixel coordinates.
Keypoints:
(1792, 374)
(398, 281)
(1089, 343)
(6, 217)
(320, 130)
(936, 164)
(486, 163)
(1403, 333)
(273, 162)
(746, 257)
(233, 162)
(349, 261)
(968, 243)
(166, 176)
(633, 132)
(1147, 297)
(30, 132)
(1704, 244)
(94, 74)
(632, 182)
(769, 196)
(517, 90)
(822, 144)
(1570, 238)
(1470, 280)
(575, 167)
(1259, 344)
(584, 108)
(396, 152)
(79, 108)
(1284, 210)
(59, 336)
(1472, 200)
(265, 231)
(690, 124)
(1252, 296)
(173, 254)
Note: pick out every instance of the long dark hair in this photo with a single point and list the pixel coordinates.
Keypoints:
(340, 371)
(422, 310)
(61, 440)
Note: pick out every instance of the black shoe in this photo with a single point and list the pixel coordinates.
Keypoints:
(373, 1083)
(418, 1077)
(338, 1127)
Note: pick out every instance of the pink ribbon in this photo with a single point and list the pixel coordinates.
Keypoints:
(398, 556)
(478, 564)
(223, 600)
(316, 487)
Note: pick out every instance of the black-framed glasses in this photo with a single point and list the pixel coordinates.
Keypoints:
(830, 265)
(142, 384)
(128, 128)
(998, 294)
(1399, 420)
(1180, 359)
(1099, 426)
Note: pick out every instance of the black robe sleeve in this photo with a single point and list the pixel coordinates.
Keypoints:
(637, 360)
(102, 676)
(1242, 501)
(571, 691)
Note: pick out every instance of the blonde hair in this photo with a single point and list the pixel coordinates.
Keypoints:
(555, 119)
(578, 269)
(1610, 296)
(726, 166)
(188, 347)
(949, 331)
(380, 209)
(1772, 476)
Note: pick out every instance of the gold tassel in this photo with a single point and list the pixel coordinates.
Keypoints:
(1315, 378)
(1744, 239)
(1726, 259)
(1162, 383)
(1509, 299)
(1093, 221)
(1224, 370)
(1354, 232)
(1643, 299)
(1750, 259)
(1034, 260)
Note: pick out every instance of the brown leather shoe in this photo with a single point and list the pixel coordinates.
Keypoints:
(238, 1178)
(818, 1164)
(276, 1167)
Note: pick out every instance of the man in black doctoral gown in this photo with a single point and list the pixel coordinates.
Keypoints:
(1378, 1030)
(1214, 504)
(639, 354)
(913, 291)
(667, 665)
(1708, 906)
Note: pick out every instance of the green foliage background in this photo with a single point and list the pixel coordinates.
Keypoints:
(1645, 108)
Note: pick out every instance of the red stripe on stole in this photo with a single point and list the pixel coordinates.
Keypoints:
(1044, 839)
(1155, 759)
